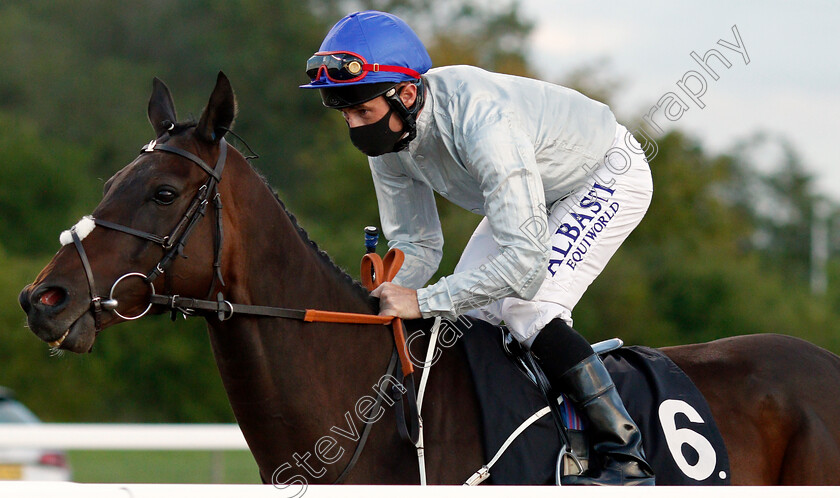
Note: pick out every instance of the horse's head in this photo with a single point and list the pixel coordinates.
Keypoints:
(109, 262)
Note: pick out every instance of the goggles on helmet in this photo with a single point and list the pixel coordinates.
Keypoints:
(347, 67)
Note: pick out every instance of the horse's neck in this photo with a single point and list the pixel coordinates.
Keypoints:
(269, 262)
(290, 381)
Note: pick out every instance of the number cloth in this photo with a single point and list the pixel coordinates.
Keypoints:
(681, 440)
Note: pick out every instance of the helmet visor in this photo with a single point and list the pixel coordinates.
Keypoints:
(339, 97)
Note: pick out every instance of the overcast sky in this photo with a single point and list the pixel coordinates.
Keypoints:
(790, 87)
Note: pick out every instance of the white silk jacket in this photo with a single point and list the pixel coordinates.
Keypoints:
(501, 146)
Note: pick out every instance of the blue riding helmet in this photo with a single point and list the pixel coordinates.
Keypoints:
(363, 56)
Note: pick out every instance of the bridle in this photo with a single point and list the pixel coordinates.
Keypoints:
(172, 244)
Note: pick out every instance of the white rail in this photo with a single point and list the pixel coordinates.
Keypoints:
(123, 436)
(229, 437)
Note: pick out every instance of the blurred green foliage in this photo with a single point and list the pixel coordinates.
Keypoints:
(724, 249)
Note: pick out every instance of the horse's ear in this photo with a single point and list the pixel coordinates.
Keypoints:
(220, 112)
(161, 108)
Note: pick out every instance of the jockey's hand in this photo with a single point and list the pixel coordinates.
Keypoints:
(397, 301)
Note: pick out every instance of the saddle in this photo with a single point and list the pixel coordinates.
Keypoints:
(680, 438)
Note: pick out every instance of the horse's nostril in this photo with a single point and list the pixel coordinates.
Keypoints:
(52, 297)
(23, 300)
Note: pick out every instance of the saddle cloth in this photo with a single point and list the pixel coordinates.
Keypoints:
(680, 438)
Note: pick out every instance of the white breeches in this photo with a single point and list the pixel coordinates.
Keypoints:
(587, 228)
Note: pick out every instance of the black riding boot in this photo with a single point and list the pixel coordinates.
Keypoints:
(575, 370)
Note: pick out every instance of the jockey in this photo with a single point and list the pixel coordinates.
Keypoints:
(559, 182)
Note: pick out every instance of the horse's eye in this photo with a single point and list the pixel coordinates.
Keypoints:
(165, 195)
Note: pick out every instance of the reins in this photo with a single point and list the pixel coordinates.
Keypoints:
(225, 310)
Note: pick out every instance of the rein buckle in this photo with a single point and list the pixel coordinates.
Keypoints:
(224, 314)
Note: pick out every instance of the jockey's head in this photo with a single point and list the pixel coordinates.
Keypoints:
(369, 66)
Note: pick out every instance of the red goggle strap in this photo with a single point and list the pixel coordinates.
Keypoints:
(391, 69)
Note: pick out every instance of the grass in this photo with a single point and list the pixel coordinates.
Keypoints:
(195, 467)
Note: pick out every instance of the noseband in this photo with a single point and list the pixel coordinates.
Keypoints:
(172, 244)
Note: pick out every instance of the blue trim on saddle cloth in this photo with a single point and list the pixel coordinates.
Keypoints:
(571, 419)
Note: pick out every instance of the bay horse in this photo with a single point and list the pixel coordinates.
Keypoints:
(295, 387)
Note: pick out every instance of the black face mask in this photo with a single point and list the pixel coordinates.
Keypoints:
(376, 138)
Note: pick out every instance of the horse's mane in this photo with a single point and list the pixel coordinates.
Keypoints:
(323, 257)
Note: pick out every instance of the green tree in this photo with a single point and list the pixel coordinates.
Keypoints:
(784, 203)
(45, 185)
